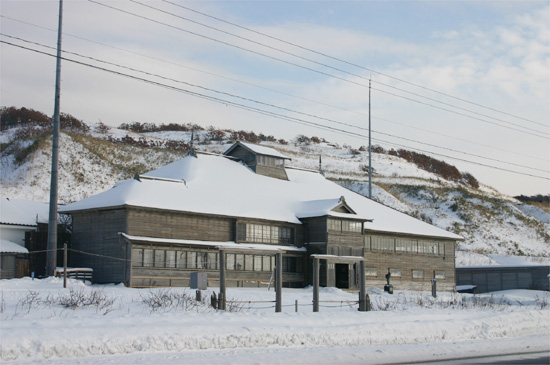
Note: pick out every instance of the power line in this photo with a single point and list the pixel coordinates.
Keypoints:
(351, 64)
(305, 67)
(264, 112)
(273, 90)
(276, 106)
(462, 114)
(337, 69)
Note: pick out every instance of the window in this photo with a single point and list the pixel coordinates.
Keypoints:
(170, 258)
(137, 257)
(427, 247)
(212, 261)
(382, 244)
(159, 258)
(181, 260)
(405, 245)
(266, 263)
(191, 260)
(395, 273)
(439, 274)
(262, 233)
(271, 161)
(230, 261)
(249, 262)
(257, 263)
(418, 274)
(371, 271)
(335, 225)
(148, 258)
(355, 227)
(239, 262)
(342, 225)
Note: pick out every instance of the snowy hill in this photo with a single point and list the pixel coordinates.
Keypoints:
(94, 160)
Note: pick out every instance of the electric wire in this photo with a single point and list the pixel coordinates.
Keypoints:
(275, 91)
(274, 106)
(313, 70)
(350, 63)
(332, 67)
(273, 114)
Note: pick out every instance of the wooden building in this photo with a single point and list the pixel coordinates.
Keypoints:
(159, 228)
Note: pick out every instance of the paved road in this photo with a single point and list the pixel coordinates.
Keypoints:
(523, 358)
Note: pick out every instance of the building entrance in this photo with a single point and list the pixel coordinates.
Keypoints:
(341, 272)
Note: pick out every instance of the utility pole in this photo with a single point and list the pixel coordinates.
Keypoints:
(52, 221)
(370, 153)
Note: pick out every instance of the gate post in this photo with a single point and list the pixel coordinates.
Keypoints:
(315, 284)
(222, 296)
(279, 282)
(362, 287)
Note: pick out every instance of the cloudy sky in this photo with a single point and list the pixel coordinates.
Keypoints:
(465, 81)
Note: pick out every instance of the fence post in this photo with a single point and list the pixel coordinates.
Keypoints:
(279, 282)
(222, 277)
(362, 287)
(315, 284)
(296, 305)
(64, 265)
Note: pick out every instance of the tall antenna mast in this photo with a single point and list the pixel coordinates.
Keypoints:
(370, 153)
(52, 220)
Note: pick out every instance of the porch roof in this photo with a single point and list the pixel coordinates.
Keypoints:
(226, 246)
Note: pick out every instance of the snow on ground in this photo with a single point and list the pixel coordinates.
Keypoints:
(117, 326)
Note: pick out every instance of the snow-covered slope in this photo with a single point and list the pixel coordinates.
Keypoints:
(491, 223)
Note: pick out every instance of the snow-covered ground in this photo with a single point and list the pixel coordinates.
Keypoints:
(114, 324)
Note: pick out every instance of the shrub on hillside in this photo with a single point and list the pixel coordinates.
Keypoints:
(11, 117)
(102, 128)
(214, 134)
(70, 123)
(470, 180)
(534, 198)
(430, 164)
(244, 136)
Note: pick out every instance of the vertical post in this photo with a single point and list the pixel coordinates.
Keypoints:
(222, 279)
(370, 153)
(296, 305)
(362, 287)
(51, 254)
(65, 265)
(279, 282)
(315, 284)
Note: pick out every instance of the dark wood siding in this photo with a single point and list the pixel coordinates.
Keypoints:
(275, 172)
(316, 229)
(96, 233)
(244, 155)
(175, 225)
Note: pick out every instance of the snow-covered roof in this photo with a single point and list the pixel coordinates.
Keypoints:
(219, 186)
(23, 212)
(217, 244)
(11, 247)
(260, 150)
(324, 207)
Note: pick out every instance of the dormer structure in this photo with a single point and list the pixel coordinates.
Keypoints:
(262, 160)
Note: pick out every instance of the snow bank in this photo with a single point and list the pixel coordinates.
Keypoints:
(40, 331)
